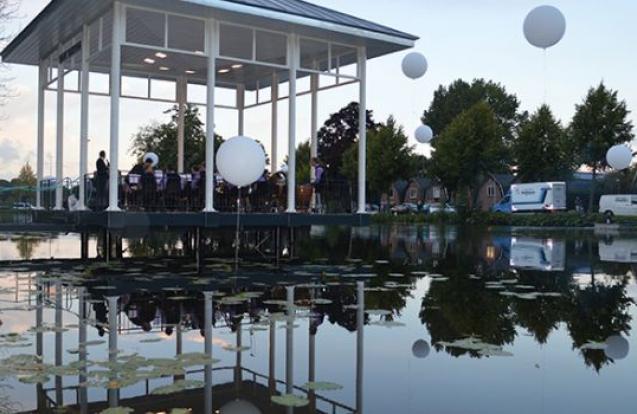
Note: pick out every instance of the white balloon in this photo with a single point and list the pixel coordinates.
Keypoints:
(544, 26)
(415, 65)
(241, 161)
(424, 134)
(619, 157)
(152, 156)
(617, 347)
(420, 349)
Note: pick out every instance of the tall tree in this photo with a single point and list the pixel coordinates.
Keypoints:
(162, 139)
(389, 158)
(468, 149)
(599, 123)
(303, 152)
(339, 132)
(542, 150)
(27, 177)
(450, 101)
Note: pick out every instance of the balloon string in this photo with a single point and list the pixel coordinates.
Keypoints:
(545, 76)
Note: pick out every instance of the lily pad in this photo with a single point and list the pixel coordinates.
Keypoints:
(290, 400)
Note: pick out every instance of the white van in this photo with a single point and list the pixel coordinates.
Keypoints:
(545, 255)
(538, 197)
(618, 205)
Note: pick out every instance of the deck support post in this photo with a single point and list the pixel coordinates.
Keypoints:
(116, 84)
(360, 338)
(84, 110)
(182, 102)
(208, 310)
(241, 104)
(289, 342)
(362, 134)
(274, 136)
(42, 80)
(293, 58)
(314, 86)
(113, 395)
(59, 137)
(212, 36)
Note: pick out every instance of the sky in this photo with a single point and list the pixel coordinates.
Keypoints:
(461, 39)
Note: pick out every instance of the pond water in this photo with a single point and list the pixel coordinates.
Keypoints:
(402, 319)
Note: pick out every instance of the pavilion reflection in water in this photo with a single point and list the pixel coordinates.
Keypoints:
(249, 391)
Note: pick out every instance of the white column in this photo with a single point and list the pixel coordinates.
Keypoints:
(314, 85)
(289, 341)
(182, 101)
(360, 340)
(113, 327)
(59, 141)
(212, 30)
(42, 80)
(116, 83)
(241, 106)
(293, 63)
(84, 109)
(362, 134)
(274, 136)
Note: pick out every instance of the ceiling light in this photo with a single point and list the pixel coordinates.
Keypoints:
(164, 68)
(149, 61)
(237, 66)
(224, 70)
(190, 72)
(161, 55)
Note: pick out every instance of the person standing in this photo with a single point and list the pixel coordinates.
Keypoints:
(101, 178)
(318, 184)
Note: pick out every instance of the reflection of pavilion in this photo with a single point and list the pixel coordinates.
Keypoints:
(248, 391)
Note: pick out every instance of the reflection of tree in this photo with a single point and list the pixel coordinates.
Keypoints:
(598, 312)
(26, 246)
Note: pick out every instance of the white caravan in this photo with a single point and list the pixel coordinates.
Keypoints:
(618, 205)
(618, 251)
(537, 254)
(538, 197)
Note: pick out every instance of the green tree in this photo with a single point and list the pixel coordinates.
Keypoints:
(338, 134)
(450, 101)
(468, 149)
(599, 123)
(542, 150)
(162, 139)
(303, 163)
(27, 177)
(389, 158)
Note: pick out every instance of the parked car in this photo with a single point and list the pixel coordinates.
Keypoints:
(442, 208)
(22, 206)
(372, 209)
(405, 208)
(504, 206)
(618, 205)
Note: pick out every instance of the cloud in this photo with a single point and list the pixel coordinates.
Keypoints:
(8, 151)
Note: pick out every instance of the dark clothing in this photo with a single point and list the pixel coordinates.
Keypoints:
(101, 182)
(102, 167)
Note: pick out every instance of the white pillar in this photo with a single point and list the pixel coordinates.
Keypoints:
(360, 340)
(274, 136)
(289, 341)
(59, 141)
(241, 106)
(182, 101)
(42, 80)
(113, 327)
(212, 30)
(84, 109)
(314, 85)
(116, 83)
(293, 63)
(362, 134)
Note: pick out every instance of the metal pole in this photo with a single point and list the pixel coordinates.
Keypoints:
(83, 392)
(241, 103)
(182, 102)
(272, 359)
(116, 84)
(362, 134)
(59, 144)
(42, 78)
(208, 309)
(289, 342)
(212, 30)
(59, 360)
(314, 85)
(360, 337)
(113, 395)
(84, 120)
(293, 63)
(274, 94)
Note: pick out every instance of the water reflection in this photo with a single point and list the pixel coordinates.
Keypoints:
(320, 324)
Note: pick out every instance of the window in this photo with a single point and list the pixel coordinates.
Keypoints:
(186, 34)
(236, 42)
(271, 47)
(315, 55)
(491, 191)
(413, 194)
(145, 27)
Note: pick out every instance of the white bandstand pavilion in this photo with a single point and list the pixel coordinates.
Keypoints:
(243, 45)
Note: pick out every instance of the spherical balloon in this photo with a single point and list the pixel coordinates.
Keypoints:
(153, 157)
(544, 26)
(617, 347)
(420, 349)
(424, 134)
(415, 65)
(619, 157)
(241, 161)
(239, 407)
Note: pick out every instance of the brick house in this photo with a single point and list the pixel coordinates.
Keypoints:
(493, 189)
(423, 190)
